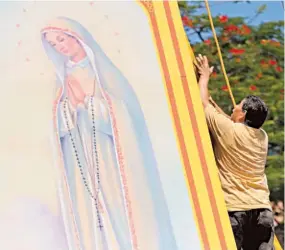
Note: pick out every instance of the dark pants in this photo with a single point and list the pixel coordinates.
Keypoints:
(253, 229)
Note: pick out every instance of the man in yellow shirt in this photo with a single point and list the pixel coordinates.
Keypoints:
(240, 147)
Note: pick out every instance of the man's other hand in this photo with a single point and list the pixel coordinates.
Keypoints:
(203, 67)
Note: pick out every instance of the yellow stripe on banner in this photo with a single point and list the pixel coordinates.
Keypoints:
(154, 36)
(202, 126)
(277, 245)
(188, 134)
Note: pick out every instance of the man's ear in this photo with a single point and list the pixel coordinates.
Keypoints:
(242, 116)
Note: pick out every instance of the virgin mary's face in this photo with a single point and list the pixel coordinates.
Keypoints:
(63, 43)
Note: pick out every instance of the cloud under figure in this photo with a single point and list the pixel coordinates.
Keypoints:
(29, 224)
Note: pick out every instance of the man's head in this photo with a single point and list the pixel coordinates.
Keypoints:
(251, 111)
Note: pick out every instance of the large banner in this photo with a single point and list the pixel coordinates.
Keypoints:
(104, 143)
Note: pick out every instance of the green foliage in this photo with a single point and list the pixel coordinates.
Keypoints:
(254, 59)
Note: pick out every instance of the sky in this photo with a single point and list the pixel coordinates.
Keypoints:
(273, 12)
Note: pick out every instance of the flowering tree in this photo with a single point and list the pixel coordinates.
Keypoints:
(253, 57)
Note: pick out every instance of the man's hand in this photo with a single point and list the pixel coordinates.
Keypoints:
(205, 71)
(203, 67)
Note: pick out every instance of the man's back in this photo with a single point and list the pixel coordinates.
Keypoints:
(240, 153)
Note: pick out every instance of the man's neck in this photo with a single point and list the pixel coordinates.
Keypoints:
(244, 123)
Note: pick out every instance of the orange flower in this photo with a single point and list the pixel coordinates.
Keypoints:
(279, 69)
(272, 62)
(238, 60)
(245, 30)
(208, 41)
(214, 74)
(259, 75)
(223, 19)
(237, 51)
(190, 24)
(252, 87)
(263, 63)
(225, 88)
(187, 22)
(225, 38)
(274, 43)
(185, 19)
(231, 28)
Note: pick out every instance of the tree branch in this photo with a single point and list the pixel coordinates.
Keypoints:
(199, 33)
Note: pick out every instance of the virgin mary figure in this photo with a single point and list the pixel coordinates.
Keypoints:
(110, 191)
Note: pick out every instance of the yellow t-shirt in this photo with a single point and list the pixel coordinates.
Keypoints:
(240, 153)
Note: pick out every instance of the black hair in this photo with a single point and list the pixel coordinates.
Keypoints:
(256, 111)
